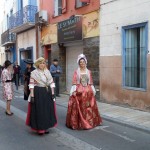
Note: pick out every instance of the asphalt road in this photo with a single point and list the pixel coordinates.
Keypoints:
(14, 135)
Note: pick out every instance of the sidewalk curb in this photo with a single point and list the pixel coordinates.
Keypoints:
(126, 124)
(114, 120)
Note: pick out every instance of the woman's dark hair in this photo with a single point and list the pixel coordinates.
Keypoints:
(81, 59)
(7, 63)
(56, 60)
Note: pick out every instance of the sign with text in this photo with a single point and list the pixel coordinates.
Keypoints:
(70, 30)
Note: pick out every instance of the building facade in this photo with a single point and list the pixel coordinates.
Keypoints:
(124, 52)
(22, 23)
(73, 29)
(19, 32)
(8, 39)
(2, 56)
(2, 49)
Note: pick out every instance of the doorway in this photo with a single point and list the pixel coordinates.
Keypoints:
(25, 54)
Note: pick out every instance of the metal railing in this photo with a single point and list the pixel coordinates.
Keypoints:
(25, 15)
(8, 37)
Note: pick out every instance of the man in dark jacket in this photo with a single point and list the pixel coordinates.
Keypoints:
(56, 70)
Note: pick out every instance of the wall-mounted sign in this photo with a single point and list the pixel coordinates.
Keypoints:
(70, 30)
(49, 34)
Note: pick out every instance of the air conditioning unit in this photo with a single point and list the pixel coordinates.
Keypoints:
(41, 17)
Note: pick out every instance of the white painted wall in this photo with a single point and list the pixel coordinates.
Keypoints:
(2, 55)
(114, 15)
(25, 3)
(27, 39)
(2, 49)
(38, 4)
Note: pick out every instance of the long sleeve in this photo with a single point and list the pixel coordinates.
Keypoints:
(5, 76)
(91, 79)
(91, 83)
(74, 83)
(52, 69)
(74, 80)
(32, 83)
(60, 69)
(51, 82)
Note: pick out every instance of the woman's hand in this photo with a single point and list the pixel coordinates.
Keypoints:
(52, 91)
(74, 93)
(53, 97)
(31, 93)
(32, 100)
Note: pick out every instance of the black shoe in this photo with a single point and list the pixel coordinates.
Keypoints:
(58, 95)
(9, 114)
(46, 132)
(40, 134)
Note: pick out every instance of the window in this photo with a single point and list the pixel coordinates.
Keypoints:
(11, 12)
(134, 56)
(20, 5)
(7, 21)
(58, 7)
(81, 3)
(33, 2)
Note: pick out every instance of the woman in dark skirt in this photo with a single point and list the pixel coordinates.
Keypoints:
(27, 72)
(41, 109)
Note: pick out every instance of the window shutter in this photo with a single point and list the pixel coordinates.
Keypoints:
(64, 6)
(85, 1)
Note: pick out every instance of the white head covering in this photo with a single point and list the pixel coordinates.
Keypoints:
(81, 56)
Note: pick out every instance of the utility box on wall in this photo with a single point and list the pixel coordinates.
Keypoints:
(41, 17)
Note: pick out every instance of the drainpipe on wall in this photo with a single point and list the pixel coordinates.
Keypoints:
(37, 40)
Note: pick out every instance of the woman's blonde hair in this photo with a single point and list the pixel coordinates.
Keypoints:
(38, 61)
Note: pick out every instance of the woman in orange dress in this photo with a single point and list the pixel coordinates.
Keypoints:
(82, 108)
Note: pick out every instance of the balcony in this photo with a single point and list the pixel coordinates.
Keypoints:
(8, 38)
(23, 19)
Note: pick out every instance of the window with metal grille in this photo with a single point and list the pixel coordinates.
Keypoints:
(135, 51)
(58, 7)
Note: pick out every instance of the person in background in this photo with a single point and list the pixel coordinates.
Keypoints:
(82, 107)
(17, 70)
(27, 73)
(7, 80)
(41, 109)
(56, 71)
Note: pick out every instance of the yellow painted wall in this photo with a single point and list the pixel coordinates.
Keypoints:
(90, 29)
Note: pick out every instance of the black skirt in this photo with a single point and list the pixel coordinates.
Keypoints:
(42, 114)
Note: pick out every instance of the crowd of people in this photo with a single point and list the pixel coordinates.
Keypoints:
(41, 87)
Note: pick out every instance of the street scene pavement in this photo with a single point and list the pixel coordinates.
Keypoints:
(112, 135)
(84, 65)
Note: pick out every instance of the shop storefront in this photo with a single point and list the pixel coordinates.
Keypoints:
(70, 35)
(68, 39)
(72, 52)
